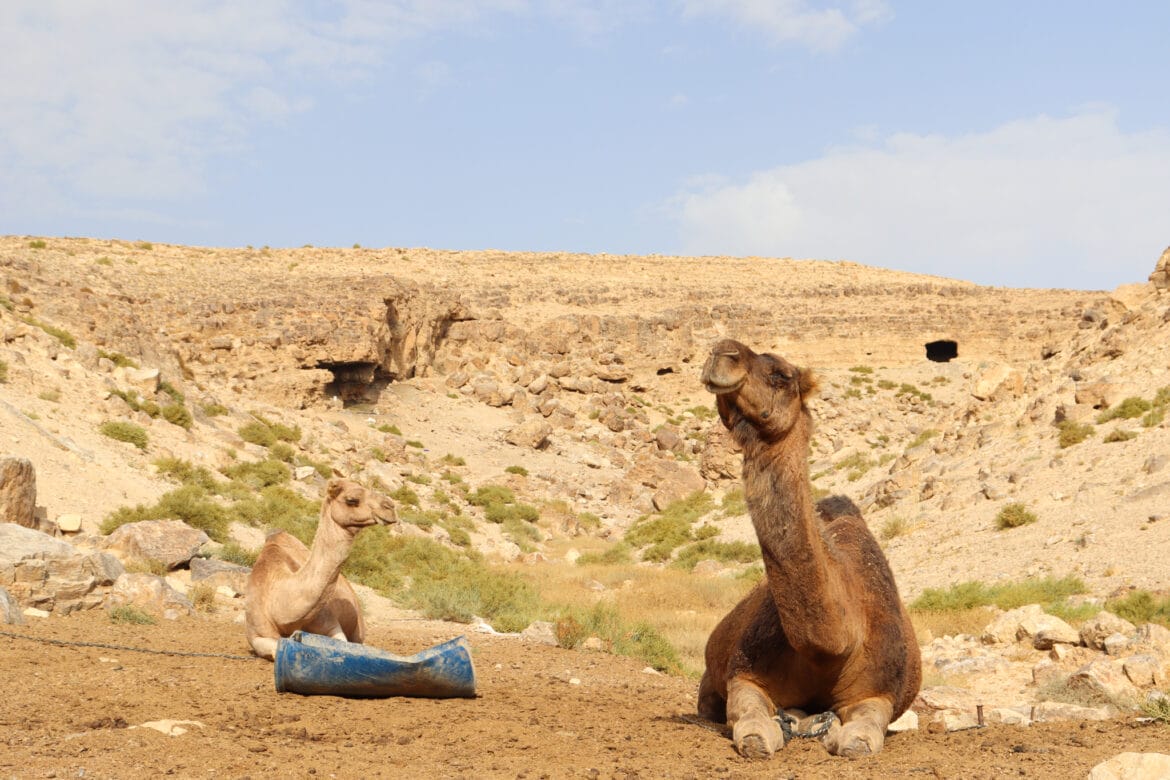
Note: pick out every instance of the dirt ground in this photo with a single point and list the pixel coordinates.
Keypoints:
(69, 710)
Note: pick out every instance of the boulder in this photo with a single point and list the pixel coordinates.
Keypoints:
(1106, 678)
(220, 574)
(18, 492)
(170, 542)
(533, 433)
(149, 593)
(1057, 710)
(1101, 626)
(1160, 277)
(1133, 766)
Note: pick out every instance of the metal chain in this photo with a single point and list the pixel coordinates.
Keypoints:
(185, 654)
(821, 725)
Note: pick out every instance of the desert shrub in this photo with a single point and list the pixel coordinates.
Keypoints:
(203, 596)
(452, 460)
(189, 503)
(1014, 515)
(214, 409)
(1050, 592)
(118, 359)
(131, 615)
(517, 470)
(588, 521)
(445, 585)
(614, 555)
(144, 245)
(256, 432)
(3, 372)
(232, 552)
(1126, 410)
(1073, 432)
(894, 527)
(856, 465)
(172, 391)
(1154, 418)
(125, 431)
(733, 503)
(186, 473)
(177, 414)
(861, 370)
(710, 549)
(404, 495)
(323, 469)
(913, 392)
(283, 452)
(668, 529)
(638, 640)
(36, 244)
(509, 513)
(259, 474)
(1119, 435)
(1141, 606)
(1157, 707)
(418, 479)
(922, 438)
(387, 428)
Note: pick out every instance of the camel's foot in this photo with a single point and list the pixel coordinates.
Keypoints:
(264, 647)
(757, 737)
(855, 740)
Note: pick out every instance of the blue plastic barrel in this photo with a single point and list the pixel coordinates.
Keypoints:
(314, 664)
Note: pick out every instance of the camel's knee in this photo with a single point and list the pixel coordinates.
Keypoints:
(712, 704)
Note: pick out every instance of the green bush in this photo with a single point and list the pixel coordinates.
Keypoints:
(639, 640)
(278, 506)
(186, 473)
(1073, 432)
(1050, 592)
(131, 615)
(669, 529)
(259, 474)
(1154, 418)
(3, 372)
(177, 414)
(1119, 435)
(1126, 410)
(1013, 516)
(709, 549)
(517, 470)
(125, 431)
(36, 244)
(189, 503)
(1141, 606)
(614, 555)
(256, 432)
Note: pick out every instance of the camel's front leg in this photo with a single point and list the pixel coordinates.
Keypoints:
(265, 647)
(750, 714)
(861, 730)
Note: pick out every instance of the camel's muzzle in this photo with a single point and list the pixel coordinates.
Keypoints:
(722, 372)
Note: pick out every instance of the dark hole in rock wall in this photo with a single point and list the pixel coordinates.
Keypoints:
(942, 351)
(356, 383)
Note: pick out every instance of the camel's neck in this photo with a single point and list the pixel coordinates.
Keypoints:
(802, 574)
(311, 583)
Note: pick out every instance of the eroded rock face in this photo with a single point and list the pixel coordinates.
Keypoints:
(1160, 278)
(18, 492)
(46, 573)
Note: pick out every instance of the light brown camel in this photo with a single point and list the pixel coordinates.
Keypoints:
(293, 587)
(826, 631)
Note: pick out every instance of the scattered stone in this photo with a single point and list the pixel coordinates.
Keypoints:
(952, 720)
(1133, 766)
(1009, 716)
(69, 524)
(9, 609)
(540, 632)
(907, 721)
(1105, 677)
(532, 433)
(1055, 710)
(34, 612)
(50, 574)
(172, 728)
(220, 574)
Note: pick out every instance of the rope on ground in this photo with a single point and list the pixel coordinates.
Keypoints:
(102, 645)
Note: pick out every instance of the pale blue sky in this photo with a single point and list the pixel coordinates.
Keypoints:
(1006, 143)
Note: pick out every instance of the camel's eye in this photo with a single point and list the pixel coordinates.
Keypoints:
(353, 502)
(780, 375)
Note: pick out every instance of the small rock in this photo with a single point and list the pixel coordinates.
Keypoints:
(908, 721)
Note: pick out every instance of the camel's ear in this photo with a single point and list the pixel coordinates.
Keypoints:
(810, 383)
(333, 489)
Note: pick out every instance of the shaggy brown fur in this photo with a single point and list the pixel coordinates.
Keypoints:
(293, 587)
(826, 630)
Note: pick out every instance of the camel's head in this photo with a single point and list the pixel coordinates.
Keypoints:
(354, 507)
(766, 393)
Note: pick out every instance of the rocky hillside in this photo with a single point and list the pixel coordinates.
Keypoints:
(943, 401)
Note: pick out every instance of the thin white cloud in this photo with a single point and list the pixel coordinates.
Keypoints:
(796, 21)
(1053, 202)
(130, 99)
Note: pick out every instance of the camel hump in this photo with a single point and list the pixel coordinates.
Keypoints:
(832, 507)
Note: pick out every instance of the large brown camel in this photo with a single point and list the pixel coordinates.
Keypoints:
(826, 631)
(294, 587)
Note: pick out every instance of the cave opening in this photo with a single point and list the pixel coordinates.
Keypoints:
(942, 351)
